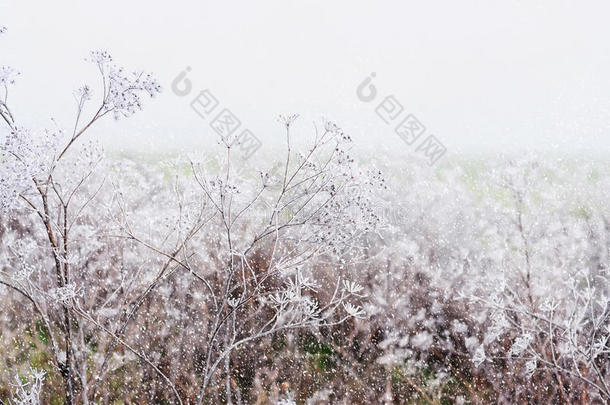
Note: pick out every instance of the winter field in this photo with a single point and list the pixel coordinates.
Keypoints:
(320, 280)
(312, 272)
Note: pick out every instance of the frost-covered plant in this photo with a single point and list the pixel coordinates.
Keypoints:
(29, 389)
(47, 191)
(269, 240)
(485, 282)
(96, 226)
(553, 305)
(520, 241)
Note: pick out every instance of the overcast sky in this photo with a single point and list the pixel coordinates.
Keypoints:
(480, 75)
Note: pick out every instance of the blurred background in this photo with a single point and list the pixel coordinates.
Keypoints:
(481, 76)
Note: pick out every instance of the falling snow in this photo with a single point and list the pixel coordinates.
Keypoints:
(320, 277)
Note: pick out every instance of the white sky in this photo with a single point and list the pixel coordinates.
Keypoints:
(481, 75)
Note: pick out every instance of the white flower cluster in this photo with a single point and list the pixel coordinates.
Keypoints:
(479, 356)
(332, 128)
(24, 272)
(520, 344)
(101, 58)
(352, 287)
(530, 367)
(64, 295)
(293, 302)
(21, 249)
(23, 158)
(124, 90)
(354, 310)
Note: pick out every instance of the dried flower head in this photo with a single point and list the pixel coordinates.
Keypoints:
(287, 120)
(124, 91)
(354, 310)
(8, 75)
